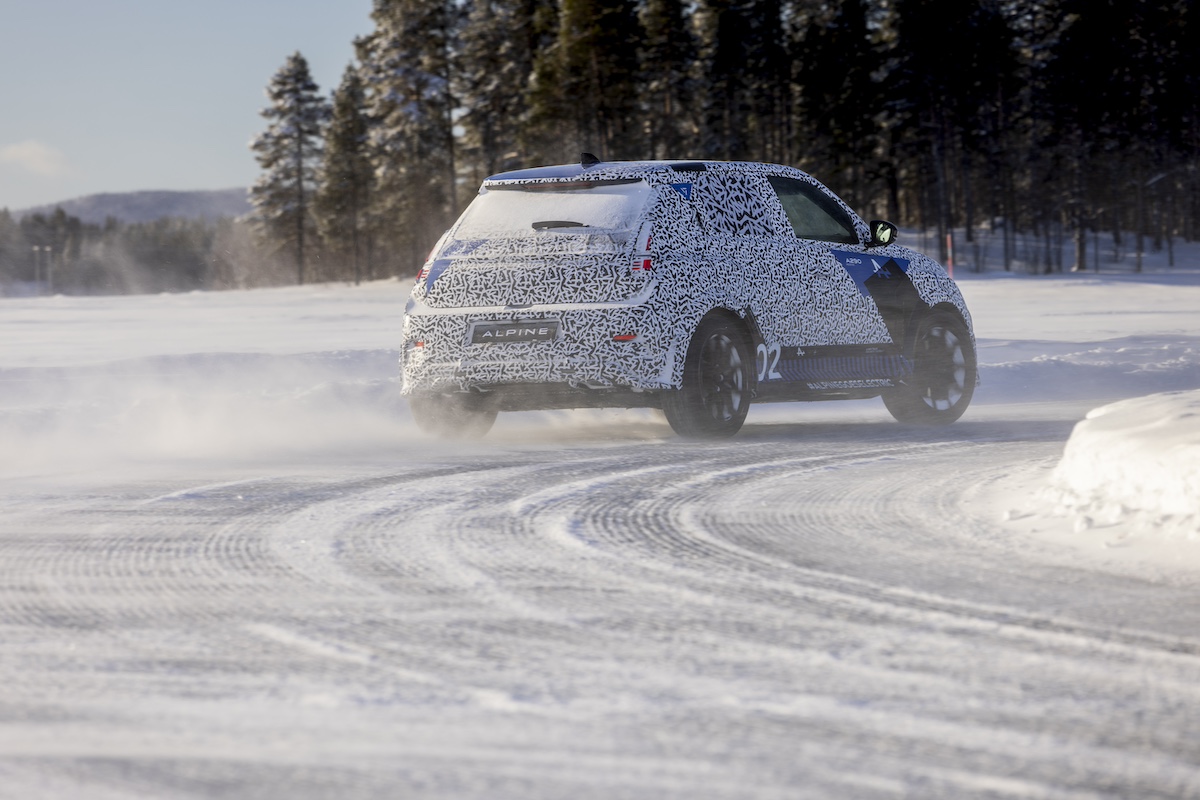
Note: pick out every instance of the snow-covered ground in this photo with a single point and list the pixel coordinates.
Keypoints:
(180, 376)
(233, 568)
(1130, 475)
(1136, 460)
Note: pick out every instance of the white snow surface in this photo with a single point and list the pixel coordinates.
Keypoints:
(274, 366)
(233, 568)
(1136, 458)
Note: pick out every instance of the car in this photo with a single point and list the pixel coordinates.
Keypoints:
(696, 287)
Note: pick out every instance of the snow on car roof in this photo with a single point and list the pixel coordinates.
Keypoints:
(607, 170)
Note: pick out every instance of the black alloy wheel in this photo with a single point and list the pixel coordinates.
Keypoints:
(717, 382)
(944, 372)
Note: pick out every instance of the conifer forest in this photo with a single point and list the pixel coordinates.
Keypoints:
(1016, 134)
(1061, 122)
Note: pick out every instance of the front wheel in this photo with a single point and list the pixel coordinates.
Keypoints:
(715, 395)
(456, 415)
(943, 377)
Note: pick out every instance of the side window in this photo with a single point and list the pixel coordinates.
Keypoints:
(733, 206)
(813, 214)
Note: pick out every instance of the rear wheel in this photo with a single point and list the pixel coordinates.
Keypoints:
(717, 379)
(943, 378)
(456, 415)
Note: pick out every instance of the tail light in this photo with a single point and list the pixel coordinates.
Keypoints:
(641, 253)
(423, 272)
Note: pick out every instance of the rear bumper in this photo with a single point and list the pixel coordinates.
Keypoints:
(591, 350)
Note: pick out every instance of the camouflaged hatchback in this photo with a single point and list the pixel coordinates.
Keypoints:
(695, 287)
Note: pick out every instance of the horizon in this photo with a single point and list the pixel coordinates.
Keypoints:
(42, 207)
(90, 119)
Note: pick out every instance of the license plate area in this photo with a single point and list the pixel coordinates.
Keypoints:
(515, 330)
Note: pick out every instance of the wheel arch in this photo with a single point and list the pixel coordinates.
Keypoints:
(716, 390)
(744, 320)
(913, 324)
(933, 377)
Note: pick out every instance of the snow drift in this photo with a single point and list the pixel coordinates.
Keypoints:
(1137, 460)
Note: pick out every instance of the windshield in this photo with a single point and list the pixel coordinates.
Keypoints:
(550, 208)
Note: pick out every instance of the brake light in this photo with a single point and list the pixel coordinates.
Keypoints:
(641, 255)
(624, 337)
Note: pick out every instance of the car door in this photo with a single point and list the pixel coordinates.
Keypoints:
(741, 231)
(827, 307)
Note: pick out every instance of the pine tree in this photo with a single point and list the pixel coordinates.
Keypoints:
(769, 86)
(947, 59)
(597, 52)
(549, 108)
(493, 67)
(726, 105)
(670, 53)
(407, 67)
(1184, 121)
(12, 248)
(1090, 133)
(289, 151)
(343, 195)
(840, 99)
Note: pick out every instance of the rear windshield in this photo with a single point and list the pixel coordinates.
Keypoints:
(574, 207)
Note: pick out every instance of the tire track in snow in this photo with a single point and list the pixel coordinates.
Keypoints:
(767, 603)
(673, 527)
(685, 528)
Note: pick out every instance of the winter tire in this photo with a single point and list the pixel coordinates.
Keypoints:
(452, 416)
(717, 382)
(943, 375)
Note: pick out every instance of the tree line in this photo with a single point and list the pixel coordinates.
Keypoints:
(58, 253)
(1051, 122)
(1044, 126)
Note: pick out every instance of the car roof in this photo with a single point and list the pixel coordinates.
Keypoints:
(616, 170)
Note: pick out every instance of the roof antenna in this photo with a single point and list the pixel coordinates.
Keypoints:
(587, 160)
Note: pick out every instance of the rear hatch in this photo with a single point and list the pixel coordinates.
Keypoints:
(521, 244)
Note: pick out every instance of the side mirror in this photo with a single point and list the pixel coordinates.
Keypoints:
(882, 233)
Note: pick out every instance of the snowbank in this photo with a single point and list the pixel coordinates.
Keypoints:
(1135, 462)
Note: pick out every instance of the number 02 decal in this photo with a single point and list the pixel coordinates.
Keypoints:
(767, 361)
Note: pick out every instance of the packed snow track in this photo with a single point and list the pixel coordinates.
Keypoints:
(240, 572)
(812, 607)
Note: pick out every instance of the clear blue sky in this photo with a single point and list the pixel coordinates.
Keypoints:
(124, 95)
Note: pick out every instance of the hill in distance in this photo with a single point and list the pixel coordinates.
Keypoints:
(149, 206)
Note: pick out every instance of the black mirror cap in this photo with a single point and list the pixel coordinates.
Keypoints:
(882, 233)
